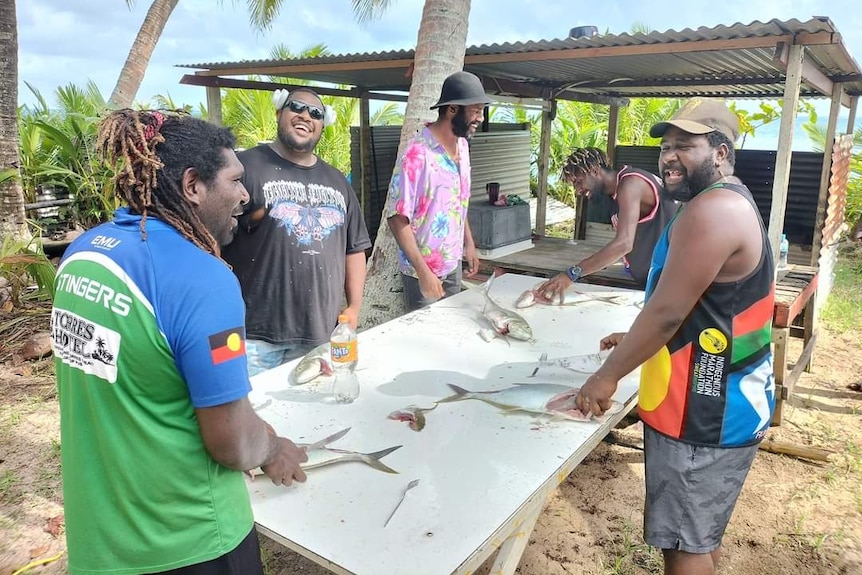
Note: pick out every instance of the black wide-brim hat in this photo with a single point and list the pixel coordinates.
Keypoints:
(462, 89)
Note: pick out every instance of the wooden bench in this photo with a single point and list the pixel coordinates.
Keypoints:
(795, 292)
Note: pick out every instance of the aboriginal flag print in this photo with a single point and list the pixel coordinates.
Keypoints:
(227, 344)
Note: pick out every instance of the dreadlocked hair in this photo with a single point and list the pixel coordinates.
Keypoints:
(584, 160)
(152, 150)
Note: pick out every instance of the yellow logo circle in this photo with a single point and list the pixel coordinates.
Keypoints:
(234, 342)
(712, 340)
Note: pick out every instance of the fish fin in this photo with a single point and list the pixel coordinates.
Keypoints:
(373, 459)
(327, 440)
(460, 393)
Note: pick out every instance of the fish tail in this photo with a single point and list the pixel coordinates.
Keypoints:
(373, 459)
(460, 393)
(327, 440)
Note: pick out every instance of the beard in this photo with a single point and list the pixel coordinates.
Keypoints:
(290, 141)
(695, 182)
(460, 125)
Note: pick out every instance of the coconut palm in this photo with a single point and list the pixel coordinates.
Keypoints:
(12, 216)
(440, 46)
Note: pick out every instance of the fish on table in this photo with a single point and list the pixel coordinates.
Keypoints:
(320, 455)
(554, 400)
(314, 364)
(413, 415)
(532, 297)
(505, 322)
(585, 363)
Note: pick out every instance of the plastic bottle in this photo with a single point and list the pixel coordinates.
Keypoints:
(782, 251)
(344, 354)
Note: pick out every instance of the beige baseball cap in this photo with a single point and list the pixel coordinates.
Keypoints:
(699, 116)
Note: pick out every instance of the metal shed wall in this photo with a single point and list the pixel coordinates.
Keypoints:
(756, 168)
(500, 155)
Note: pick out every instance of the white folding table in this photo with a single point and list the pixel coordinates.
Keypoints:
(484, 475)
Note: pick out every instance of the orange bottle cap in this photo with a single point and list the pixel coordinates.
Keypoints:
(342, 318)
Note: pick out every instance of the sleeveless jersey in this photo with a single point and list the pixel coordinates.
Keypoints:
(713, 384)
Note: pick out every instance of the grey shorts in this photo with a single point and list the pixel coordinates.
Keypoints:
(690, 491)
(415, 299)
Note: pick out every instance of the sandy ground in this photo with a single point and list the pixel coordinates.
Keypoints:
(794, 516)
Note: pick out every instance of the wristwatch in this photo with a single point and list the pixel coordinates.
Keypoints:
(575, 273)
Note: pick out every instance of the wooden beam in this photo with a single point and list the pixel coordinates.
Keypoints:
(548, 113)
(785, 138)
(214, 105)
(826, 173)
(613, 128)
(194, 80)
(810, 74)
(284, 68)
(364, 155)
(501, 86)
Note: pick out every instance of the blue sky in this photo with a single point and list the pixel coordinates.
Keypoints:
(62, 41)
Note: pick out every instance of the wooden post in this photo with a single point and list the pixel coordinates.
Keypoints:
(785, 145)
(851, 119)
(364, 155)
(613, 128)
(548, 112)
(826, 172)
(214, 105)
(780, 337)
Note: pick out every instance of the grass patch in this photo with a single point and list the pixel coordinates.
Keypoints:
(630, 556)
(843, 310)
(8, 493)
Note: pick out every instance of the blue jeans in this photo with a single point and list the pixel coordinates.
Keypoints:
(262, 355)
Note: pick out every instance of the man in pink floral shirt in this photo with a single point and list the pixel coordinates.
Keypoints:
(430, 192)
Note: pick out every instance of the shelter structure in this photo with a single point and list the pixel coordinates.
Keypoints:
(785, 60)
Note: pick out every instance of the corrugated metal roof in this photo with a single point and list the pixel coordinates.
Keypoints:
(735, 61)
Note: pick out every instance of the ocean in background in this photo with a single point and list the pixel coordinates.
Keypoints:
(766, 137)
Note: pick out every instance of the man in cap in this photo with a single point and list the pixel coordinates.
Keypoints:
(707, 390)
(429, 194)
(300, 248)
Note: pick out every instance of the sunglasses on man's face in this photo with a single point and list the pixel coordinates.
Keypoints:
(298, 107)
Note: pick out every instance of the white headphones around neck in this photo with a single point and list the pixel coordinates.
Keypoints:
(279, 99)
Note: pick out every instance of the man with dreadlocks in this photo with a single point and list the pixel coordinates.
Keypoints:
(642, 212)
(300, 249)
(148, 339)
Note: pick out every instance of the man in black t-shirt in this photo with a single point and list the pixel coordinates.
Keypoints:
(300, 247)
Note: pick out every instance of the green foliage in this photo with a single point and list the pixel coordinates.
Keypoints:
(57, 152)
(843, 310)
(22, 262)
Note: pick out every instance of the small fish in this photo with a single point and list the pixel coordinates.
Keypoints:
(505, 322)
(572, 297)
(319, 455)
(586, 363)
(314, 364)
(557, 401)
(414, 415)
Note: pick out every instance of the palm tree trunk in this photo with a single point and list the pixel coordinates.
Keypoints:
(440, 47)
(135, 67)
(12, 216)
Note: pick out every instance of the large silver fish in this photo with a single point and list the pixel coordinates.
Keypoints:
(504, 321)
(319, 455)
(557, 401)
(571, 297)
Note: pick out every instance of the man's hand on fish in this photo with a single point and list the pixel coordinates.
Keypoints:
(430, 285)
(611, 341)
(472, 258)
(594, 397)
(283, 468)
(553, 291)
